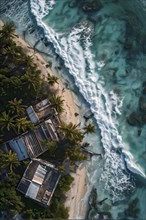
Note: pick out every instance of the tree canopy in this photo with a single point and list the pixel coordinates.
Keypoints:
(9, 161)
(71, 132)
(57, 103)
(17, 107)
(89, 128)
(52, 80)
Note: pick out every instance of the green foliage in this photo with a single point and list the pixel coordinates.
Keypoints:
(89, 128)
(65, 183)
(9, 161)
(6, 121)
(17, 107)
(31, 81)
(18, 125)
(19, 77)
(7, 30)
(63, 149)
(58, 210)
(9, 200)
(72, 133)
(55, 211)
(61, 169)
(67, 148)
(52, 80)
(74, 154)
(52, 147)
(57, 103)
(22, 125)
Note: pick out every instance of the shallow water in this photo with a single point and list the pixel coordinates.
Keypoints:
(109, 74)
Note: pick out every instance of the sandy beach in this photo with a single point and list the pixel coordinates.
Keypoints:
(78, 188)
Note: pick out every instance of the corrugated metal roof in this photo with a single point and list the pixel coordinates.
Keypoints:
(42, 105)
(51, 129)
(32, 115)
(23, 185)
(39, 175)
(30, 144)
(39, 181)
(18, 146)
(33, 190)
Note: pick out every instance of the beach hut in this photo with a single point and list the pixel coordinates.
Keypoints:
(30, 144)
(39, 181)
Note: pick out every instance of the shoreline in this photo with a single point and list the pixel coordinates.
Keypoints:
(75, 196)
(78, 187)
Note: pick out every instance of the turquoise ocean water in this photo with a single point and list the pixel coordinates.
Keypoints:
(104, 54)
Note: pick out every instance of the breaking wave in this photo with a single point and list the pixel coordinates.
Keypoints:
(74, 49)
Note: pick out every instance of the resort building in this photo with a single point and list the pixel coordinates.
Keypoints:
(30, 144)
(39, 181)
(41, 111)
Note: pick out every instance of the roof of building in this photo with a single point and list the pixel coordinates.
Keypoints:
(42, 105)
(32, 115)
(39, 111)
(18, 146)
(30, 144)
(43, 110)
(39, 181)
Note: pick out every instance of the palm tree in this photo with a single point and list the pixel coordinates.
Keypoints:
(31, 81)
(71, 132)
(89, 129)
(9, 161)
(52, 80)
(28, 61)
(75, 154)
(52, 147)
(8, 53)
(17, 107)
(57, 103)
(8, 30)
(22, 124)
(6, 121)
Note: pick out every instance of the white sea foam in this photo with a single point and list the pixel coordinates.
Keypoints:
(131, 165)
(41, 7)
(14, 13)
(74, 49)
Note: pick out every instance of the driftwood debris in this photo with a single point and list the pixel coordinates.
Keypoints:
(90, 153)
(101, 202)
(88, 117)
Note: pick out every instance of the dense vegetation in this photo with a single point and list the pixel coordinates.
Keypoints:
(13, 202)
(19, 76)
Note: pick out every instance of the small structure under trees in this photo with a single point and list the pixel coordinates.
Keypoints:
(39, 181)
(30, 144)
(43, 110)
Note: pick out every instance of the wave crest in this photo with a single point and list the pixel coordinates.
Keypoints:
(74, 49)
